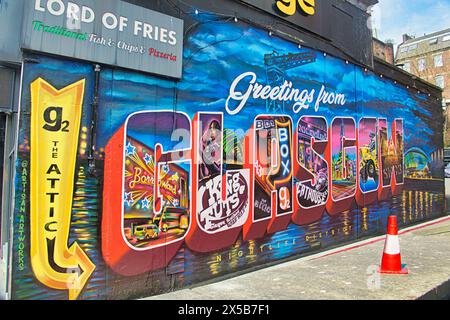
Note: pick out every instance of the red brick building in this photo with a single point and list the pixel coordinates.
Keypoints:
(383, 50)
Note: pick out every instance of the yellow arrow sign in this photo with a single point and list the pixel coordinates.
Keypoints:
(55, 127)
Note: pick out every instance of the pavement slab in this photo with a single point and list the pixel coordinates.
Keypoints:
(346, 273)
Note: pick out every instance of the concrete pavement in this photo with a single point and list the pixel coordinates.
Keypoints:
(345, 273)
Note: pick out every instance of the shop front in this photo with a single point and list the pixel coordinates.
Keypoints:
(166, 144)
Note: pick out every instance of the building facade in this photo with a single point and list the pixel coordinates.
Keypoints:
(153, 145)
(428, 57)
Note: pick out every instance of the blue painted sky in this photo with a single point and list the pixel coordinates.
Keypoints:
(215, 54)
(219, 52)
(393, 18)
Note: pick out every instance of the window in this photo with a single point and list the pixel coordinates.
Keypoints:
(2, 153)
(412, 47)
(434, 41)
(404, 49)
(446, 38)
(422, 64)
(440, 81)
(407, 66)
(6, 88)
(438, 62)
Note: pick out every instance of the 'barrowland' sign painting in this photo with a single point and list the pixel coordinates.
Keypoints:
(262, 151)
(108, 31)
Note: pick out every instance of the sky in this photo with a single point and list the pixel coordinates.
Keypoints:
(393, 18)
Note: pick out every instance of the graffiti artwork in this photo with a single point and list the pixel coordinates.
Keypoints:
(369, 172)
(215, 213)
(312, 188)
(52, 179)
(312, 192)
(343, 154)
(261, 152)
(142, 226)
(391, 152)
(273, 167)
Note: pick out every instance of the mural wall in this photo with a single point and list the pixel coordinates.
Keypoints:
(263, 151)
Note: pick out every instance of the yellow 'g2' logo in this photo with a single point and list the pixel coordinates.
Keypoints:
(289, 7)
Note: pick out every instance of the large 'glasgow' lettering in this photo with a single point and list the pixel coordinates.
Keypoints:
(166, 184)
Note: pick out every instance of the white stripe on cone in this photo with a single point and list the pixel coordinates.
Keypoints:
(392, 245)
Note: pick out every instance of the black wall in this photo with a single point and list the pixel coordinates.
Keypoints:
(338, 27)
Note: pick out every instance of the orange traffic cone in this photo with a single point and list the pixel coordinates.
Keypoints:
(392, 260)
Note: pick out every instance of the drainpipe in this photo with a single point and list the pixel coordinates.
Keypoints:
(93, 128)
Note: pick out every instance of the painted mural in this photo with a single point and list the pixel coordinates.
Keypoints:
(262, 152)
